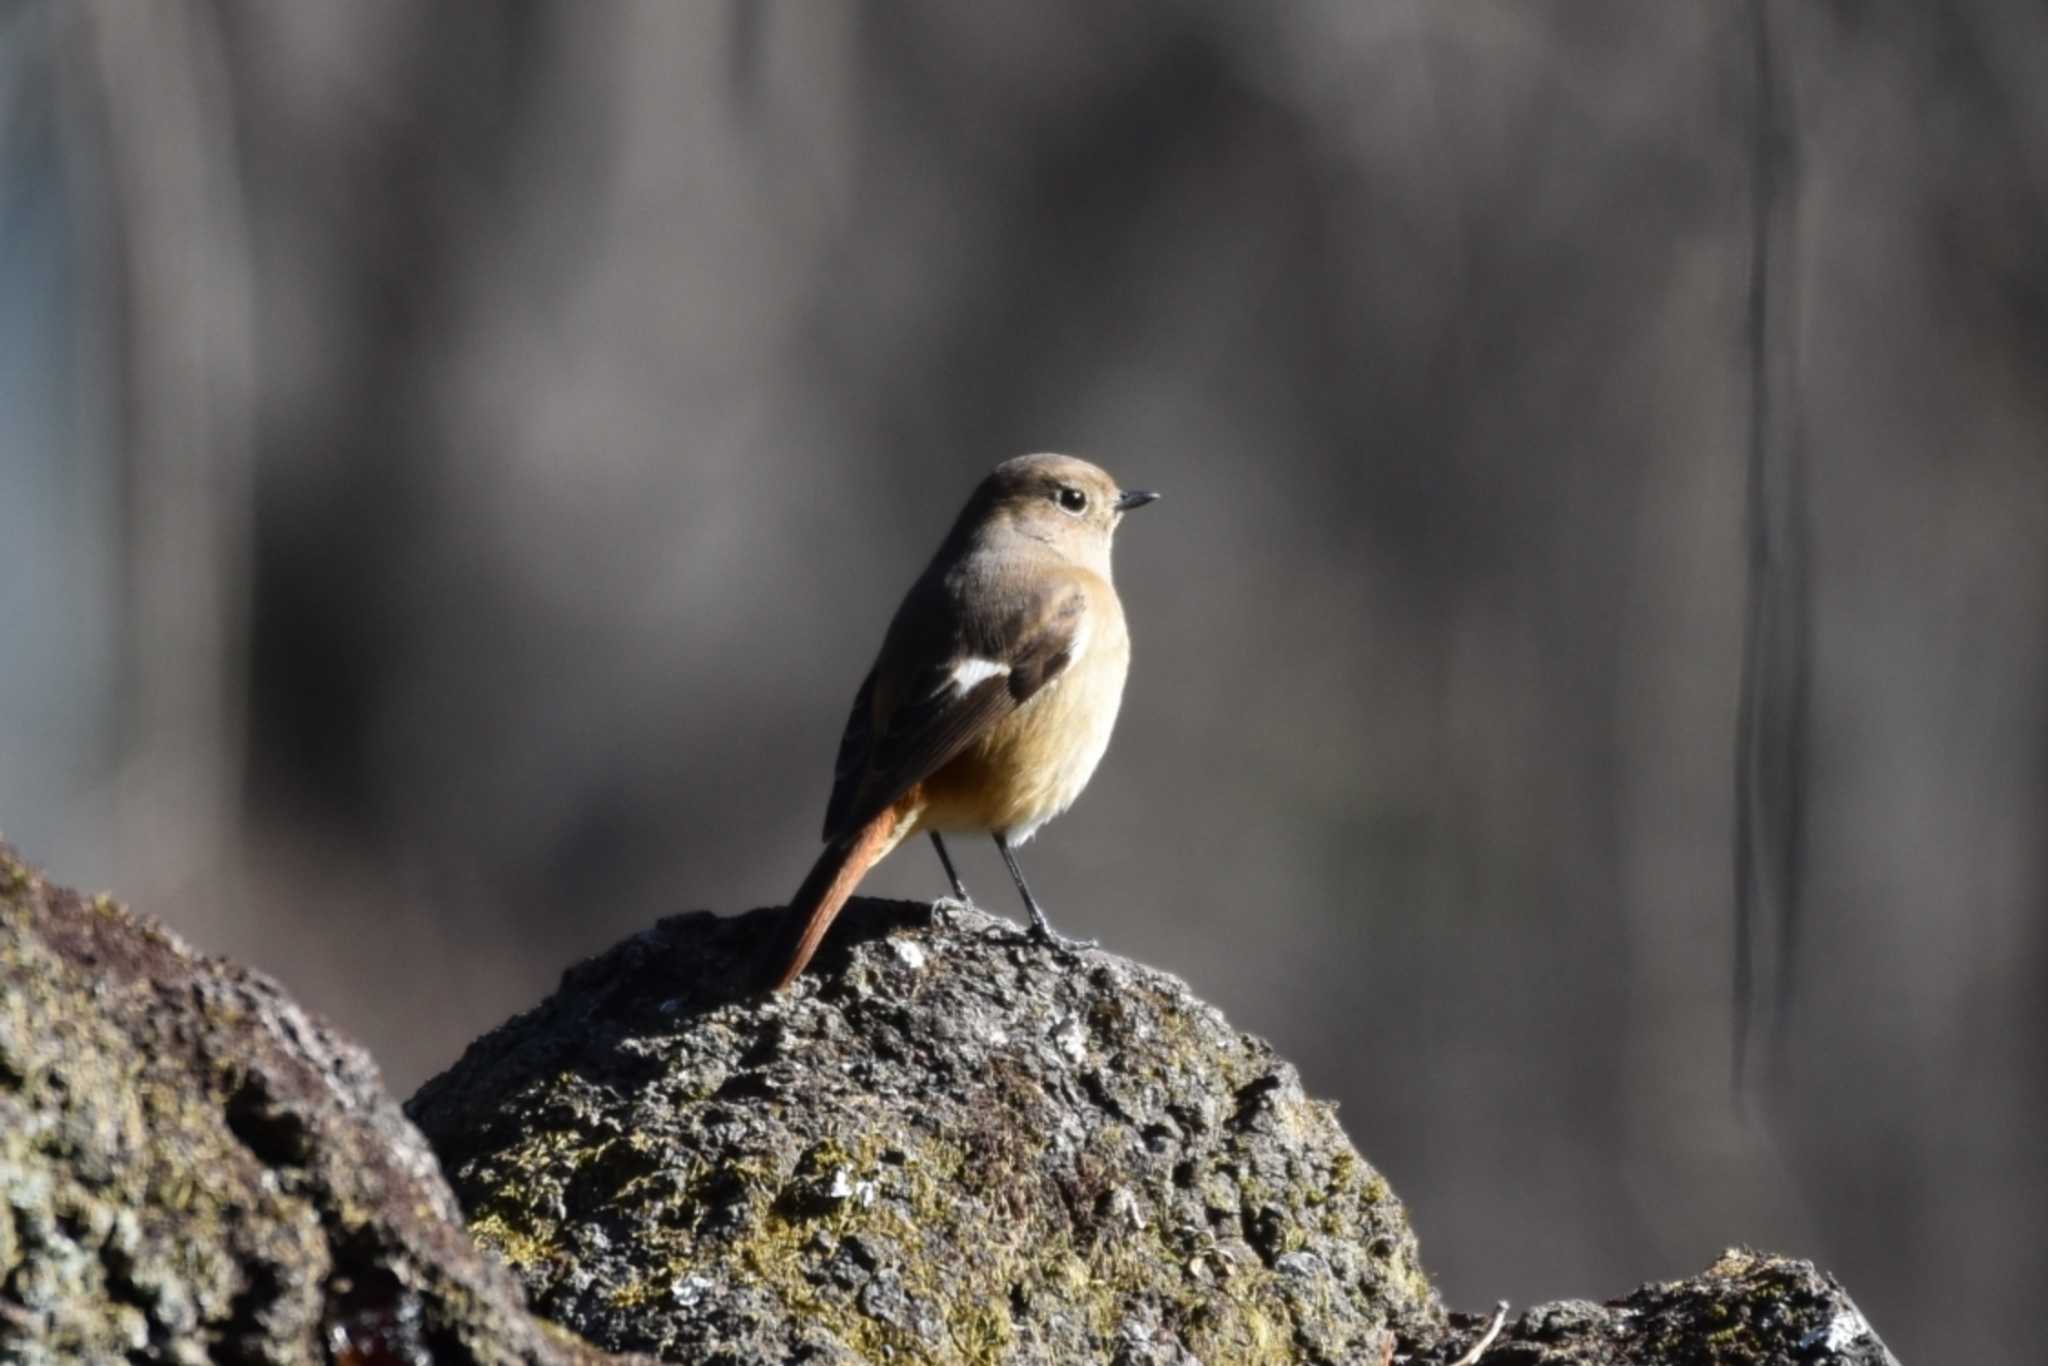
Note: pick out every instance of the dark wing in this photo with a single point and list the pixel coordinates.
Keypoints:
(889, 749)
(847, 770)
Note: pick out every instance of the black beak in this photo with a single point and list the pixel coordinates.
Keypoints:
(1135, 498)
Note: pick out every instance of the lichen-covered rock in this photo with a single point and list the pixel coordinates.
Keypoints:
(1748, 1309)
(192, 1169)
(945, 1144)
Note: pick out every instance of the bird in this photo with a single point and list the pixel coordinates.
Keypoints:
(992, 698)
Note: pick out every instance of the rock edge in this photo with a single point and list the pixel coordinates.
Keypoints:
(194, 1169)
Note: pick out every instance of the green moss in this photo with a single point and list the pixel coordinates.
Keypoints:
(532, 1175)
(524, 1244)
(780, 1253)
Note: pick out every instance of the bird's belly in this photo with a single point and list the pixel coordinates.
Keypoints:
(1034, 764)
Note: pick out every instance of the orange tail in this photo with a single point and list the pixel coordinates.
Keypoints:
(832, 879)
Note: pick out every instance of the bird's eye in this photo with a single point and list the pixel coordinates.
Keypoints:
(1072, 499)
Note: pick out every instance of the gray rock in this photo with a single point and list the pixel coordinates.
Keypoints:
(193, 1169)
(945, 1144)
(1747, 1309)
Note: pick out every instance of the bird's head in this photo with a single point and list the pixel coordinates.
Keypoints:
(1060, 500)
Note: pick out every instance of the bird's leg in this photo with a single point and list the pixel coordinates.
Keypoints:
(945, 859)
(1041, 928)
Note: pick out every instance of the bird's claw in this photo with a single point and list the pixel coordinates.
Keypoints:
(1042, 933)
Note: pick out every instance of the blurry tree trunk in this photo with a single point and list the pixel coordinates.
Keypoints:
(1770, 789)
(169, 357)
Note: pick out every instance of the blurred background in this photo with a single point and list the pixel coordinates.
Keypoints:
(456, 462)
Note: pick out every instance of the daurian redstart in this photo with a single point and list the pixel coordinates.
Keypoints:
(994, 694)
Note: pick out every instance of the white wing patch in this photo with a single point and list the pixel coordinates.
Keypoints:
(968, 672)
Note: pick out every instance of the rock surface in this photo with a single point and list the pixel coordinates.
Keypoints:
(1748, 1309)
(193, 1169)
(945, 1144)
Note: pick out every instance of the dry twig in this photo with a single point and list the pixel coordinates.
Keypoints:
(1500, 1316)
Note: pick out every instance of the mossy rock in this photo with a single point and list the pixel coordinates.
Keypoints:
(193, 1169)
(946, 1144)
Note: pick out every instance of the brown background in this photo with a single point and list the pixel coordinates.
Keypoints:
(455, 463)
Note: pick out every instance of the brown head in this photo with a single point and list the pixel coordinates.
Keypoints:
(1059, 500)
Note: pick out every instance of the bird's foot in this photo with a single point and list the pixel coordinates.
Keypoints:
(1042, 932)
